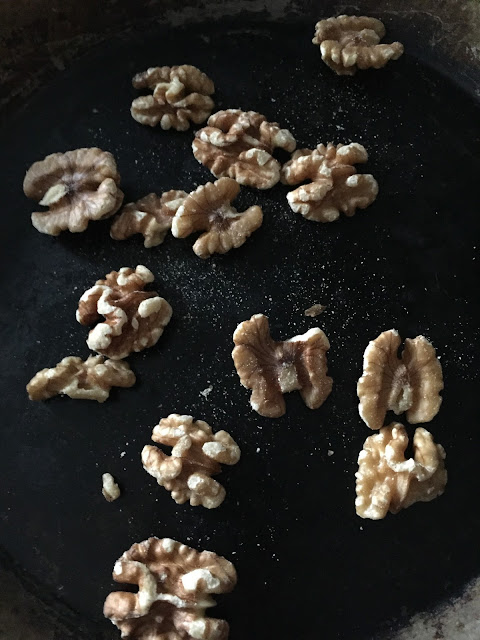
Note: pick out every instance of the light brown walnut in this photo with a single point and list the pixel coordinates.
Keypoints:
(335, 185)
(197, 454)
(411, 383)
(91, 379)
(348, 43)
(174, 586)
(134, 318)
(386, 481)
(151, 216)
(180, 95)
(76, 186)
(209, 209)
(239, 144)
(110, 489)
(271, 368)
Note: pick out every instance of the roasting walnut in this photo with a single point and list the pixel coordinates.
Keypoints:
(89, 380)
(174, 586)
(335, 185)
(76, 186)
(197, 454)
(134, 318)
(180, 95)
(348, 43)
(411, 383)
(239, 144)
(209, 209)
(386, 481)
(272, 368)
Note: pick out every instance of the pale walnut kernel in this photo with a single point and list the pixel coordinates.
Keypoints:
(110, 489)
(271, 368)
(315, 310)
(411, 383)
(209, 209)
(239, 144)
(197, 454)
(174, 586)
(91, 379)
(335, 185)
(386, 481)
(134, 318)
(151, 216)
(348, 43)
(180, 95)
(76, 186)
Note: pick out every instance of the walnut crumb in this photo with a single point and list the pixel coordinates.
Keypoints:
(110, 489)
(315, 310)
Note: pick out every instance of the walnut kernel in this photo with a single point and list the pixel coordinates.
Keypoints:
(110, 489)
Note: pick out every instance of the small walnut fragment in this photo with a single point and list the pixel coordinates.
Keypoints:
(336, 187)
(151, 216)
(91, 379)
(271, 368)
(174, 586)
(76, 186)
(209, 209)
(386, 481)
(348, 43)
(134, 318)
(315, 310)
(411, 383)
(197, 454)
(110, 489)
(180, 95)
(239, 144)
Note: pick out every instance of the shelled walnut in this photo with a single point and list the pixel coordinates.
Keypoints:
(209, 209)
(134, 318)
(335, 185)
(174, 586)
(151, 216)
(239, 144)
(197, 454)
(386, 481)
(76, 186)
(91, 379)
(411, 383)
(348, 43)
(110, 489)
(181, 95)
(272, 368)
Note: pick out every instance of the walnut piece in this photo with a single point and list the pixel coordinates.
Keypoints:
(272, 368)
(348, 43)
(335, 185)
(151, 216)
(134, 319)
(197, 454)
(110, 489)
(386, 481)
(174, 586)
(315, 310)
(76, 186)
(209, 209)
(180, 95)
(411, 383)
(89, 380)
(239, 144)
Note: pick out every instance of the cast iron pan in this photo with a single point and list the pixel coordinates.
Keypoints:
(307, 564)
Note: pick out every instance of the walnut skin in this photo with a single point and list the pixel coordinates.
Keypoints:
(239, 144)
(386, 481)
(76, 186)
(335, 185)
(134, 319)
(411, 383)
(180, 95)
(89, 380)
(209, 209)
(151, 216)
(348, 43)
(174, 587)
(272, 368)
(197, 454)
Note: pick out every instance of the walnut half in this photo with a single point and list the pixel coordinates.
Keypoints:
(271, 368)
(386, 481)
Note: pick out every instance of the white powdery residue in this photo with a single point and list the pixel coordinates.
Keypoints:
(206, 392)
